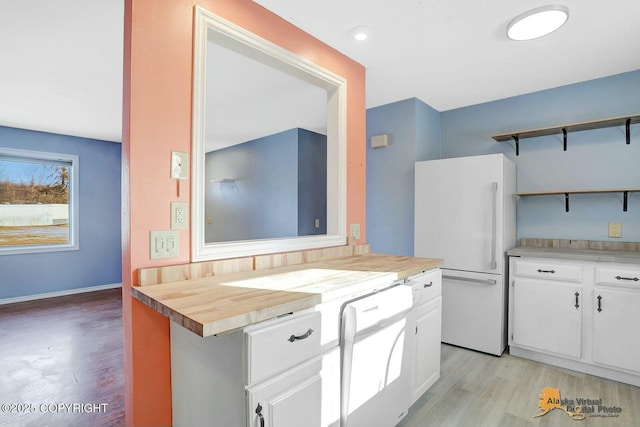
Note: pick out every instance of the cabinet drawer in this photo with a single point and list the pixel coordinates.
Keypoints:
(618, 275)
(551, 270)
(281, 345)
(428, 285)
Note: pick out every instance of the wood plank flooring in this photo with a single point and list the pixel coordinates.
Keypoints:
(477, 389)
(65, 350)
(69, 350)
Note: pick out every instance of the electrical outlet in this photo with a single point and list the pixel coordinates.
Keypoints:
(164, 244)
(317, 223)
(179, 214)
(615, 229)
(354, 231)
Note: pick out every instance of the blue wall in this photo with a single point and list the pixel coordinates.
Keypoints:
(594, 159)
(312, 182)
(99, 260)
(414, 134)
(262, 201)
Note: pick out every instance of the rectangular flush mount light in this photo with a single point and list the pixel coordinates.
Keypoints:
(378, 141)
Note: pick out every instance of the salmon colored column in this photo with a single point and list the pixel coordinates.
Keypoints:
(157, 120)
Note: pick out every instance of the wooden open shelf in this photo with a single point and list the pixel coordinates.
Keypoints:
(625, 192)
(516, 136)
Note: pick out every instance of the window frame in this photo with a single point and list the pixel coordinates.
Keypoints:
(74, 200)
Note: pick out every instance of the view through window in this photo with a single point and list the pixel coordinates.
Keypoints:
(36, 201)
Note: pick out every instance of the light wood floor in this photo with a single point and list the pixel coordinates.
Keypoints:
(69, 350)
(477, 389)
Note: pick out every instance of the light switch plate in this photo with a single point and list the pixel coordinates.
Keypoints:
(179, 165)
(179, 215)
(164, 244)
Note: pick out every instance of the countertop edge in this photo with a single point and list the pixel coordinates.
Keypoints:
(597, 255)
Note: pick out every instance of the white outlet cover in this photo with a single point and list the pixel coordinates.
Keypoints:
(179, 165)
(179, 215)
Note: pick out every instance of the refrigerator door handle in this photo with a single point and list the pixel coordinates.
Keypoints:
(494, 223)
(470, 279)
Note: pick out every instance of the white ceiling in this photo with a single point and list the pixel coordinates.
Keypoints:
(61, 61)
(61, 66)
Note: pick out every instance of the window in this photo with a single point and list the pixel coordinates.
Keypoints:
(38, 201)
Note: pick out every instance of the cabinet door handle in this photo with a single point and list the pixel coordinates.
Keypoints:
(577, 306)
(635, 279)
(599, 303)
(307, 334)
(260, 416)
(428, 285)
(546, 271)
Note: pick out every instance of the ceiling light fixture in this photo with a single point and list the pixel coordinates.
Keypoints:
(537, 22)
(361, 32)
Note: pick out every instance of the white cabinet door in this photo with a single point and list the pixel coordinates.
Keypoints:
(426, 362)
(292, 400)
(616, 324)
(548, 316)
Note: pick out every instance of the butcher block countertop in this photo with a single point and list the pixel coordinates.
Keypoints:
(582, 250)
(219, 304)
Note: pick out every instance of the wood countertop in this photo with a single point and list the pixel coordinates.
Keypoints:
(219, 304)
(598, 255)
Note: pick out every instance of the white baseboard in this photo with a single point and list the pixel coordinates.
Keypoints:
(59, 293)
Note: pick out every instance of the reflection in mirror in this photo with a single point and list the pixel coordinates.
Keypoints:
(269, 147)
(266, 151)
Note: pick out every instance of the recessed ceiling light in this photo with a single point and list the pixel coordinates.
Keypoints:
(537, 22)
(361, 32)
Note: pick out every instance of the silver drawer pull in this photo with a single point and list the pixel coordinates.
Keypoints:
(428, 285)
(546, 271)
(307, 334)
(635, 279)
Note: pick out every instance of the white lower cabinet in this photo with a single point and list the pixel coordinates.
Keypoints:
(615, 328)
(548, 316)
(288, 399)
(587, 321)
(286, 372)
(427, 328)
(426, 363)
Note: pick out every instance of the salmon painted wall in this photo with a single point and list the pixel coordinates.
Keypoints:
(157, 120)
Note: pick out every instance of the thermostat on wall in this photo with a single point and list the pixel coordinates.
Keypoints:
(378, 141)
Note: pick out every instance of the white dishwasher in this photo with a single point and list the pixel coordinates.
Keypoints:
(375, 361)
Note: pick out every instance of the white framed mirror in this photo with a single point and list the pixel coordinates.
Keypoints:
(235, 124)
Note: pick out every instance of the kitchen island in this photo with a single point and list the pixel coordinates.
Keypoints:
(263, 347)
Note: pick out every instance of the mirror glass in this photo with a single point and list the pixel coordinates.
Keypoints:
(268, 147)
(266, 151)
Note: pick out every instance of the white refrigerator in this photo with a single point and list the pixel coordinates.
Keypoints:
(465, 214)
